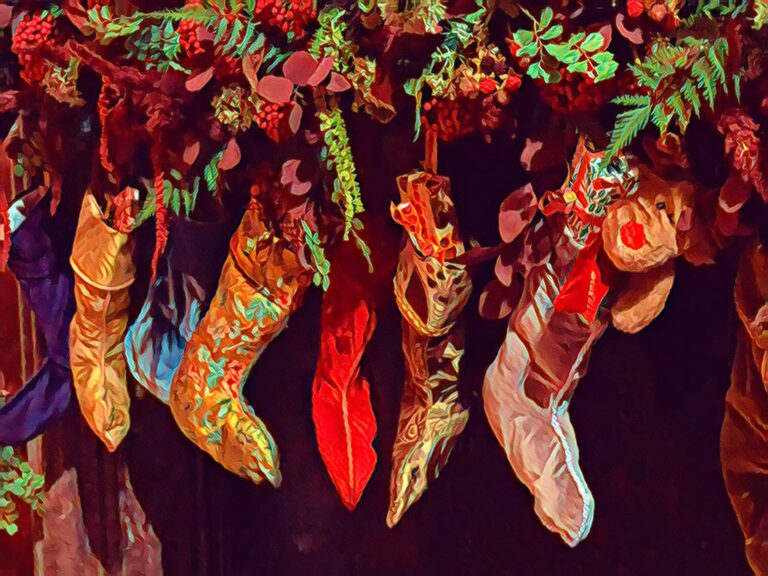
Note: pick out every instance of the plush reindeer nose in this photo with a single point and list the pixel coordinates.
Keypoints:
(638, 236)
(632, 235)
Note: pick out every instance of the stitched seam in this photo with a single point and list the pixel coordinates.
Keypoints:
(574, 474)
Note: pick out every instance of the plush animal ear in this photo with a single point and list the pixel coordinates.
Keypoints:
(643, 298)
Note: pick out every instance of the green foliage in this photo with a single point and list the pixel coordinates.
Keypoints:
(365, 250)
(211, 174)
(177, 197)
(761, 14)
(152, 37)
(18, 483)
(429, 13)
(157, 46)
(60, 83)
(322, 265)
(458, 34)
(439, 72)
(330, 40)
(628, 124)
(53, 10)
(717, 8)
(338, 157)
(676, 82)
(580, 53)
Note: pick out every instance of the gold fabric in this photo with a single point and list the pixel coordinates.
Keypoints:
(104, 271)
(431, 292)
(261, 284)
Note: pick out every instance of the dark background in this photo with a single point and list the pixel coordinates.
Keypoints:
(647, 418)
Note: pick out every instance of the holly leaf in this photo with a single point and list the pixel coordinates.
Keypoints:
(299, 67)
(230, 156)
(275, 89)
(338, 83)
(198, 81)
(5, 15)
(294, 118)
(191, 152)
(516, 212)
(323, 68)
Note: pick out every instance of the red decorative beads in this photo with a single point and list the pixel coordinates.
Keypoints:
(188, 38)
(452, 119)
(287, 16)
(273, 119)
(577, 93)
(34, 34)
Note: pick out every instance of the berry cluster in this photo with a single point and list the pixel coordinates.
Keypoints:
(742, 145)
(33, 35)
(227, 67)
(452, 119)
(188, 38)
(288, 16)
(577, 93)
(273, 119)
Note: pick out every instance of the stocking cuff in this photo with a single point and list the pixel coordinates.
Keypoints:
(110, 267)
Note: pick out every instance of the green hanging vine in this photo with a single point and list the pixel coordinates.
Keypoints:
(338, 158)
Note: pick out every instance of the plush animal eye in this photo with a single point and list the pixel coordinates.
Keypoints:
(661, 206)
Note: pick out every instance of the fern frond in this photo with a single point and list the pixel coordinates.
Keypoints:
(630, 100)
(628, 124)
(691, 95)
(660, 117)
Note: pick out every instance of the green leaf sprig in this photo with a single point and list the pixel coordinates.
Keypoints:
(548, 53)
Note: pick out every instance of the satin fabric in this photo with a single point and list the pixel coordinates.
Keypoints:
(104, 271)
(47, 289)
(431, 290)
(175, 303)
(526, 394)
(262, 283)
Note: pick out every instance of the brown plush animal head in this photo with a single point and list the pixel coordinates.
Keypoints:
(642, 234)
(642, 231)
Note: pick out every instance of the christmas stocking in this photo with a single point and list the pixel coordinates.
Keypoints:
(261, 284)
(526, 393)
(430, 291)
(744, 436)
(176, 302)
(528, 387)
(48, 291)
(104, 271)
(341, 401)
